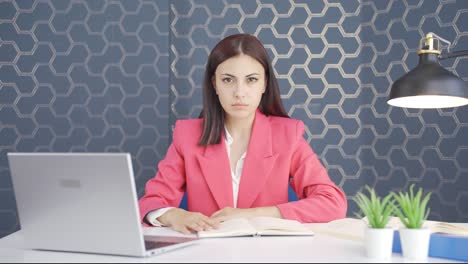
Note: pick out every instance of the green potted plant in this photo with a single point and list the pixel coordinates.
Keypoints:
(378, 238)
(413, 211)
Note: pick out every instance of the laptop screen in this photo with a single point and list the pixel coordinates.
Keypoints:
(80, 202)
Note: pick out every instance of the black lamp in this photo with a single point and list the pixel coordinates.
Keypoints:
(429, 85)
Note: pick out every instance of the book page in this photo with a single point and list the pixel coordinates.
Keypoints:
(233, 227)
(276, 224)
(264, 223)
(346, 228)
(434, 226)
(447, 228)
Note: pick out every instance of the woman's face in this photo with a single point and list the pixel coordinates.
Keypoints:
(239, 83)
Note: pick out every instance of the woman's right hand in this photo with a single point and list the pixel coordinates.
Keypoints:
(187, 222)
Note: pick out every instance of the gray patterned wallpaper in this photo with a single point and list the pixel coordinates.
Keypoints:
(95, 75)
(83, 76)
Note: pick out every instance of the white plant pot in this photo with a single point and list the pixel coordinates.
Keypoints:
(415, 243)
(378, 242)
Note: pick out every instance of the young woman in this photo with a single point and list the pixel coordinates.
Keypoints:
(240, 156)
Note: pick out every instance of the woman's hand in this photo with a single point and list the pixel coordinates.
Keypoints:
(228, 213)
(187, 222)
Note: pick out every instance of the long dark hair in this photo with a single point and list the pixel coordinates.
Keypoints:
(213, 113)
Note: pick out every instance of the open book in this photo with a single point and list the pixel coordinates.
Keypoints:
(353, 228)
(447, 228)
(258, 226)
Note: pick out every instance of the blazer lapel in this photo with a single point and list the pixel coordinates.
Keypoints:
(258, 162)
(215, 167)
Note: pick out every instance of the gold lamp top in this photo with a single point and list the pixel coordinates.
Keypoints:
(429, 44)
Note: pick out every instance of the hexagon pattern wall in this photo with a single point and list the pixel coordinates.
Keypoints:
(113, 76)
(83, 76)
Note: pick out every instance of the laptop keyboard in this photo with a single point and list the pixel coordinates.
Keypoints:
(152, 242)
(149, 245)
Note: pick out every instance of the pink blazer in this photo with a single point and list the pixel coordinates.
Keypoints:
(277, 156)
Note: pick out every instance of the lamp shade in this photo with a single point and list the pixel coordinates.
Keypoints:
(429, 85)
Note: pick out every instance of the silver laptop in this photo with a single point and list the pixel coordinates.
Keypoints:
(82, 202)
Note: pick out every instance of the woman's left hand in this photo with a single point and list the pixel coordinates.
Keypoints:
(229, 213)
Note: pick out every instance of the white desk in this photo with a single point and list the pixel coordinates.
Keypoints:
(320, 248)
